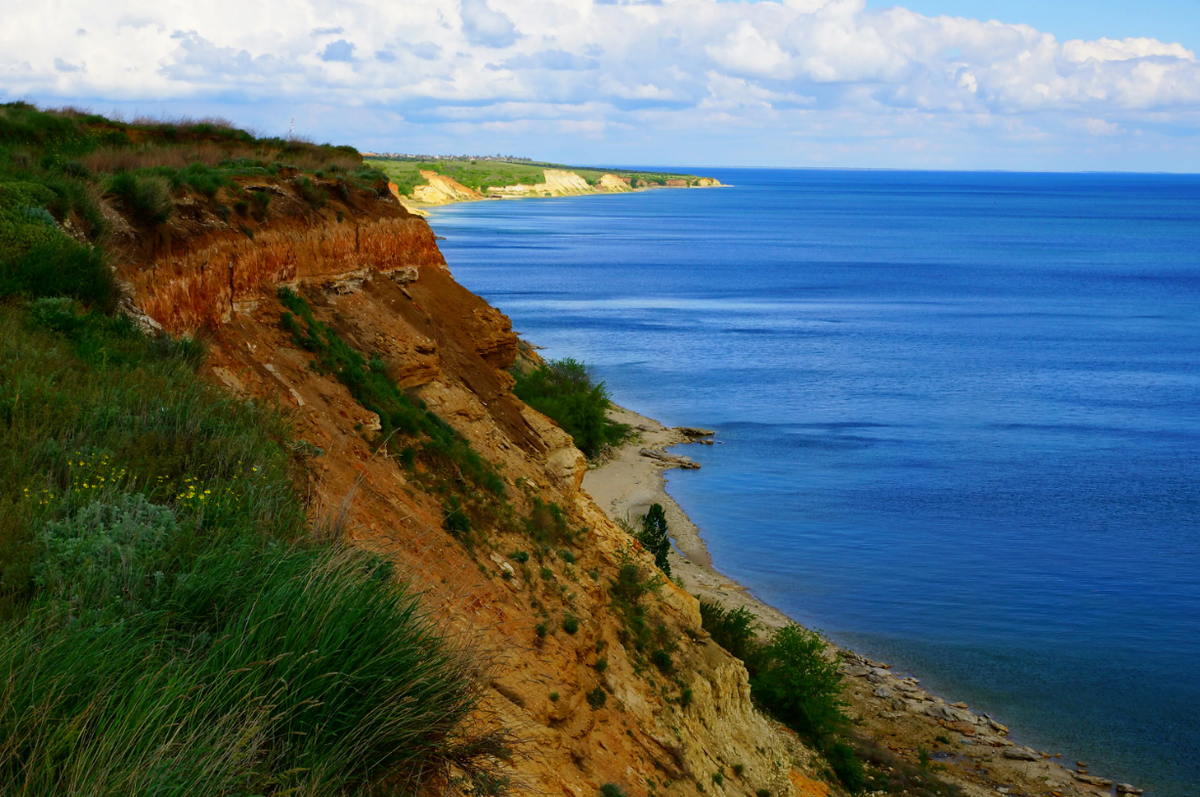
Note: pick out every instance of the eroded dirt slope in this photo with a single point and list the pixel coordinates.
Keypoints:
(372, 271)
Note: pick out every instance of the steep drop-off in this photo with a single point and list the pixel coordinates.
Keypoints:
(587, 707)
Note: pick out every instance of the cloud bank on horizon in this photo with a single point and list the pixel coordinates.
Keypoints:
(798, 82)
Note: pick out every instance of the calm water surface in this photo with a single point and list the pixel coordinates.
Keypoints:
(960, 414)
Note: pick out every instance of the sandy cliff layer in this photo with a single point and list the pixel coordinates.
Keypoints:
(443, 190)
(372, 271)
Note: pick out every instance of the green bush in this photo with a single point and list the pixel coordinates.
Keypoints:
(147, 198)
(612, 790)
(563, 391)
(59, 267)
(597, 698)
(799, 684)
(310, 193)
(846, 765)
(733, 629)
(570, 624)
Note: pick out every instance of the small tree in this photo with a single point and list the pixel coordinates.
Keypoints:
(798, 684)
(654, 538)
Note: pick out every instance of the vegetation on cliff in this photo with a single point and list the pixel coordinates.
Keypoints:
(481, 175)
(795, 679)
(563, 391)
(169, 622)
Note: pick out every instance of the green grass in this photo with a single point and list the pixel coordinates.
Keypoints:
(481, 175)
(563, 390)
(169, 624)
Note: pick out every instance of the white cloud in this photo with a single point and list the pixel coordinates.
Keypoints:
(698, 68)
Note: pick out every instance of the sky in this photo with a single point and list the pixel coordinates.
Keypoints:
(931, 84)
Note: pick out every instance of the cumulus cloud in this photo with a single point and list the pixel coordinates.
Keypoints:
(811, 70)
(486, 27)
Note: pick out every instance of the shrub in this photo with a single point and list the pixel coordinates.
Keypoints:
(313, 195)
(798, 684)
(563, 391)
(455, 520)
(601, 664)
(570, 624)
(259, 202)
(547, 523)
(654, 537)
(662, 660)
(146, 198)
(520, 557)
(846, 765)
(597, 698)
(554, 697)
(612, 790)
(733, 629)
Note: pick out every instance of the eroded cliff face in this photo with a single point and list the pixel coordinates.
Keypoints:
(373, 272)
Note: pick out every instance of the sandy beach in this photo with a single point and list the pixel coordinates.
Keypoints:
(971, 749)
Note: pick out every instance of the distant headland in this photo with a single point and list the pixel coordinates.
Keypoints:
(420, 180)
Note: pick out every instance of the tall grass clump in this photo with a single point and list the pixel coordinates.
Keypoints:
(563, 391)
(253, 669)
(147, 198)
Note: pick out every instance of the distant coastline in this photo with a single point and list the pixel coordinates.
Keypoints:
(422, 184)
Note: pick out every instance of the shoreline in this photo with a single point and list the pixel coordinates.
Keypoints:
(896, 711)
(424, 209)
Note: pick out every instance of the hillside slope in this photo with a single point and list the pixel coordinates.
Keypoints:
(372, 272)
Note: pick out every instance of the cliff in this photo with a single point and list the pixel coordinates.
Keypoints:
(586, 706)
(444, 189)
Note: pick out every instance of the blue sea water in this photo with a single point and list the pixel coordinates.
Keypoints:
(960, 417)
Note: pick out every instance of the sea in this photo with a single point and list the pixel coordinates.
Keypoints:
(958, 414)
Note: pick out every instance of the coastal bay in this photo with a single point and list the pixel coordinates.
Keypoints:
(958, 416)
(974, 750)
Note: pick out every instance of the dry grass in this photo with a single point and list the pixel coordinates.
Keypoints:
(306, 157)
(110, 160)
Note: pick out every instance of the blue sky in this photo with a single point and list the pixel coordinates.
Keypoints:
(1061, 85)
(1167, 20)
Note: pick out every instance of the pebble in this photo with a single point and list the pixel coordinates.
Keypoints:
(1125, 788)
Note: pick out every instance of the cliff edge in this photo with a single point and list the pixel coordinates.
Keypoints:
(532, 585)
